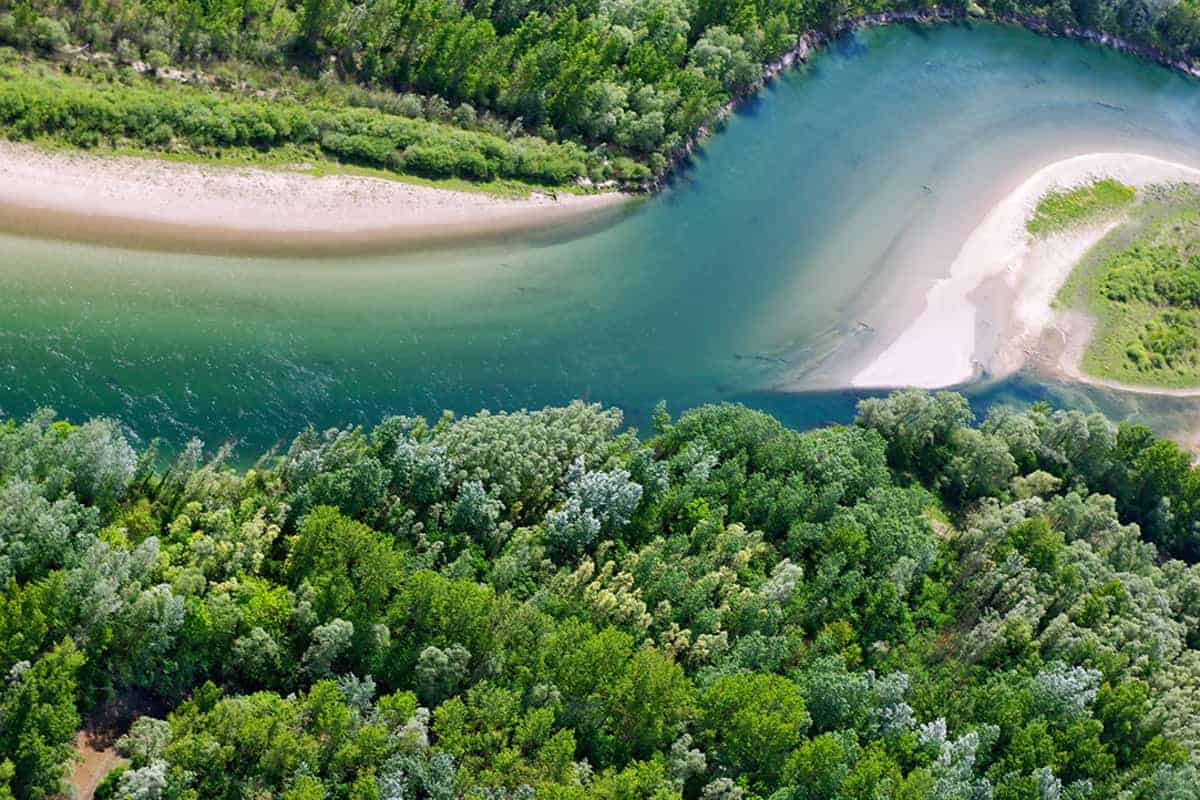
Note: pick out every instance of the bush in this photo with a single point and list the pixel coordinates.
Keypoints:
(158, 60)
(368, 150)
(437, 109)
(10, 31)
(107, 788)
(49, 34)
(472, 164)
(409, 105)
(464, 116)
(435, 161)
(85, 114)
(630, 171)
(160, 134)
(127, 52)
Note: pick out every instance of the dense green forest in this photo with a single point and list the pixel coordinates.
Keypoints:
(597, 89)
(1142, 285)
(542, 604)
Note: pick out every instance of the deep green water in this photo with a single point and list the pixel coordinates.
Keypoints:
(841, 192)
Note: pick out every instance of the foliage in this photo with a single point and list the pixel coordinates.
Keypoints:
(543, 90)
(38, 721)
(1143, 285)
(1059, 209)
(909, 607)
(181, 120)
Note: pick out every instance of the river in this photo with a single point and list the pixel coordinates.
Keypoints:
(832, 199)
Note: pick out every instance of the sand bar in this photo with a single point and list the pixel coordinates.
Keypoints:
(942, 346)
(129, 200)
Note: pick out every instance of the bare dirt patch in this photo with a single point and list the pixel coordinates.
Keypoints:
(97, 757)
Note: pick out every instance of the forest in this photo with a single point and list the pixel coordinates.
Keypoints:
(546, 604)
(599, 90)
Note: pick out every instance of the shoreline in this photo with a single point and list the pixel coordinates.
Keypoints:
(988, 316)
(812, 40)
(145, 202)
(1064, 343)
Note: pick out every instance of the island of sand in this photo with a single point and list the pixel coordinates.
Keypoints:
(961, 335)
(129, 200)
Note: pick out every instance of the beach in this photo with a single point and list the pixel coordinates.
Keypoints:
(189, 205)
(987, 316)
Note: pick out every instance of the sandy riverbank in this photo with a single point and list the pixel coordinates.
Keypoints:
(128, 200)
(989, 313)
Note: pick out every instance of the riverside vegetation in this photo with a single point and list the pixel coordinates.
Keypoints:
(542, 604)
(540, 91)
(1059, 209)
(1142, 284)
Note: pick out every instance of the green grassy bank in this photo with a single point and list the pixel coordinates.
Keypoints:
(1142, 286)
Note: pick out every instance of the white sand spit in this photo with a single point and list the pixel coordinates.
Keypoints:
(265, 203)
(941, 348)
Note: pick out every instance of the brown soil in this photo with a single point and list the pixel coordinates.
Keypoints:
(97, 757)
(95, 742)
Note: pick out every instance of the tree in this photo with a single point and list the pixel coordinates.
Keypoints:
(440, 673)
(919, 428)
(982, 466)
(38, 721)
(817, 768)
(746, 586)
(329, 643)
(353, 569)
(6, 775)
(753, 721)
(317, 18)
(145, 742)
(646, 705)
(337, 468)
(37, 535)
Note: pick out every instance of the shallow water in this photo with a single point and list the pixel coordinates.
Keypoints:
(835, 197)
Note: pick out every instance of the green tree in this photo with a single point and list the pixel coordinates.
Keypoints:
(38, 720)
(353, 569)
(646, 705)
(753, 721)
(818, 767)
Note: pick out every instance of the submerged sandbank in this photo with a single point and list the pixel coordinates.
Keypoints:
(131, 200)
(988, 315)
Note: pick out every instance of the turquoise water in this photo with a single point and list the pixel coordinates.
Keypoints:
(839, 193)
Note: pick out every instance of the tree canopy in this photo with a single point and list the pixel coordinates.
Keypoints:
(511, 605)
(541, 91)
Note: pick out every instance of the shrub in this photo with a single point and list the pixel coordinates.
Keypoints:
(85, 114)
(409, 105)
(49, 34)
(358, 148)
(127, 52)
(437, 109)
(435, 161)
(158, 60)
(464, 116)
(10, 32)
(628, 170)
(472, 164)
(160, 134)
